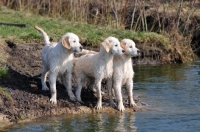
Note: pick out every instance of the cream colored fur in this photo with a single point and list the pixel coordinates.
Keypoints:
(57, 59)
(122, 73)
(97, 67)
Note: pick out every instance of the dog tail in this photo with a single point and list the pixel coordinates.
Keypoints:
(45, 36)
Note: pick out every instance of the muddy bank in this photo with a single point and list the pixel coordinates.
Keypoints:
(23, 98)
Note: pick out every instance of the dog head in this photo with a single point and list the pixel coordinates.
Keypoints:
(112, 45)
(71, 42)
(129, 47)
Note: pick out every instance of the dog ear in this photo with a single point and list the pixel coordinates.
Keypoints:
(123, 45)
(106, 46)
(65, 42)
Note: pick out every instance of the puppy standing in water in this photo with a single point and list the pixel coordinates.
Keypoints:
(97, 67)
(57, 58)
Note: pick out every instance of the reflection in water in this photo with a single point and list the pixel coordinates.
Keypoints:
(171, 91)
(126, 123)
(85, 123)
(104, 122)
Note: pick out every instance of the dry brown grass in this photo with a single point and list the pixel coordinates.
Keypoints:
(3, 53)
(182, 51)
(138, 15)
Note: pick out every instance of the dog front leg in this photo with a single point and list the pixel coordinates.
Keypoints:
(117, 87)
(68, 86)
(52, 82)
(129, 88)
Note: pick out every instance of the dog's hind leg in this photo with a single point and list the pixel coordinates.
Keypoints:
(109, 86)
(44, 78)
(68, 85)
(91, 85)
(78, 90)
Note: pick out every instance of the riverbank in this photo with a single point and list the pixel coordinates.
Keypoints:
(171, 92)
(22, 98)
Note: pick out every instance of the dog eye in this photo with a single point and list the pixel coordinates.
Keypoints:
(116, 45)
(130, 46)
(74, 41)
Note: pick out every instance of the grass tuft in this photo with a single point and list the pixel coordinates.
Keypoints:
(5, 94)
(3, 72)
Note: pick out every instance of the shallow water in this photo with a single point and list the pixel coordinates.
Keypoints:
(172, 93)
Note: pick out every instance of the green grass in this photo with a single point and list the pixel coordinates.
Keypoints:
(3, 72)
(5, 94)
(55, 28)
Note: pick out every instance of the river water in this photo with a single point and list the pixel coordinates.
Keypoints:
(172, 93)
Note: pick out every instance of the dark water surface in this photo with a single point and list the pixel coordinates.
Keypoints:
(172, 93)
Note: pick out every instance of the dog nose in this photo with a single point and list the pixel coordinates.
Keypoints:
(81, 48)
(123, 51)
(138, 51)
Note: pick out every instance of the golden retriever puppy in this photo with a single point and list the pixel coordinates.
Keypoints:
(57, 59)
(97, 67)
(123, 73)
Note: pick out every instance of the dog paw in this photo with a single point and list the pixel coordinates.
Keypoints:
(133, 104)
(79, 100)
(72, 98)
(99, 106)
(53, 101)
(45, 88)
(121, 107)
